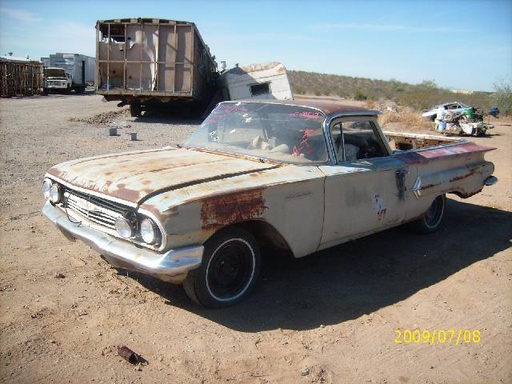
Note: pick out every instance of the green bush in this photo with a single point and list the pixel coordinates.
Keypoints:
(360, 96)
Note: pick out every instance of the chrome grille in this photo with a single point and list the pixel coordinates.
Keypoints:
(94, 209)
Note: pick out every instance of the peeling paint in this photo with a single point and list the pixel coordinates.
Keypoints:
(379, 207)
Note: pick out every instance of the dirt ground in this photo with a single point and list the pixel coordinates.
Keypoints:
(333, 317)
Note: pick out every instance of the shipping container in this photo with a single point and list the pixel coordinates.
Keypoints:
(152, 63)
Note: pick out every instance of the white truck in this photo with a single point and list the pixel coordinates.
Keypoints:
(66, 72)
(56, 80)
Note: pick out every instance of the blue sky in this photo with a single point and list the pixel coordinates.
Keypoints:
(465, 44)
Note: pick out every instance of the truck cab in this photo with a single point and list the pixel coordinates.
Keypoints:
(56, 80)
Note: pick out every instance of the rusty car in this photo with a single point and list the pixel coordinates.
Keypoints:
(293, 176)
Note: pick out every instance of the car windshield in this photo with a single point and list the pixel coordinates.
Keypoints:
(285, 133)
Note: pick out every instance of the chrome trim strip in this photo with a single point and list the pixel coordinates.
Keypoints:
(416, 189)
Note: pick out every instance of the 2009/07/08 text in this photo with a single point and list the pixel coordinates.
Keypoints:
(437, 336)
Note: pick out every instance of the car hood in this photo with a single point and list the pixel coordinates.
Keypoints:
(137, 176)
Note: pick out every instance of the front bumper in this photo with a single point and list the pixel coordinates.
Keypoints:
(171, 266)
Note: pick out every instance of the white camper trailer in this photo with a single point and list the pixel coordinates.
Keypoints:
(258, 81)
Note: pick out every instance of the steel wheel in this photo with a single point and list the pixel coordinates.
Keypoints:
(229, 270)
(433, 218)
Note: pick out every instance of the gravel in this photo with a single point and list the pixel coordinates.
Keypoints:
(67, 129)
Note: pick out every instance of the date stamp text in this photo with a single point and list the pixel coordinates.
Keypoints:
(437, 336)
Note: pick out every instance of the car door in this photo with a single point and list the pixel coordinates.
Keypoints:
(365, 190)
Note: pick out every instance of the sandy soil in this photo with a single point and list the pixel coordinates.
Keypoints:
(328, 318)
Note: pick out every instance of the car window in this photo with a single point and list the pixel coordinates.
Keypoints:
(355, 139)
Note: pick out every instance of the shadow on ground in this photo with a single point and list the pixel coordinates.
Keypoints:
(168, 117)
(359, 277)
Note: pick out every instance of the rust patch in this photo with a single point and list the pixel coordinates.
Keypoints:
(462, 177)
(128, 194)
(237, 207)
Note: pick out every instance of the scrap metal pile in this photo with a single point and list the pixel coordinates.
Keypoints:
(469, 121)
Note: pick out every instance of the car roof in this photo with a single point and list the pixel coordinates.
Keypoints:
(328, 107)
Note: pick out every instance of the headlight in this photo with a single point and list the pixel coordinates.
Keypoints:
(148, 231)
(125, 227)
(52, 191)
(138, 228)
(47, 185)
(56, 193)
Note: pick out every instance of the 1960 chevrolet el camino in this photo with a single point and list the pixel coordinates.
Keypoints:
(297, 176)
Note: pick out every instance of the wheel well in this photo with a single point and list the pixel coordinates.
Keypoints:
(462, 194)
(267, 237)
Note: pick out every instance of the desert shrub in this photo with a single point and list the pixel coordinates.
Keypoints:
(406, 117)
(359, 95)
(298, 89)
(502, 96)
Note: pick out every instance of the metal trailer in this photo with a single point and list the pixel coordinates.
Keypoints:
(152, 63)
(79, 67)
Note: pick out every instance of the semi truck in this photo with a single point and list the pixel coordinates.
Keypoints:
(65, 72)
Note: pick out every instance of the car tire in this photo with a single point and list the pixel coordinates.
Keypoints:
(432, 220)
(228, 272)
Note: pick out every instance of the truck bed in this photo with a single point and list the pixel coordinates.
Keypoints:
(403, 141)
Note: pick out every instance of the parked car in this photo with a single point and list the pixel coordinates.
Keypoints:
(494, 111)
(295, 176)
(452, 107)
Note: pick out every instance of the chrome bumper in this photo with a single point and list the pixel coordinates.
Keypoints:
(171, 266)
